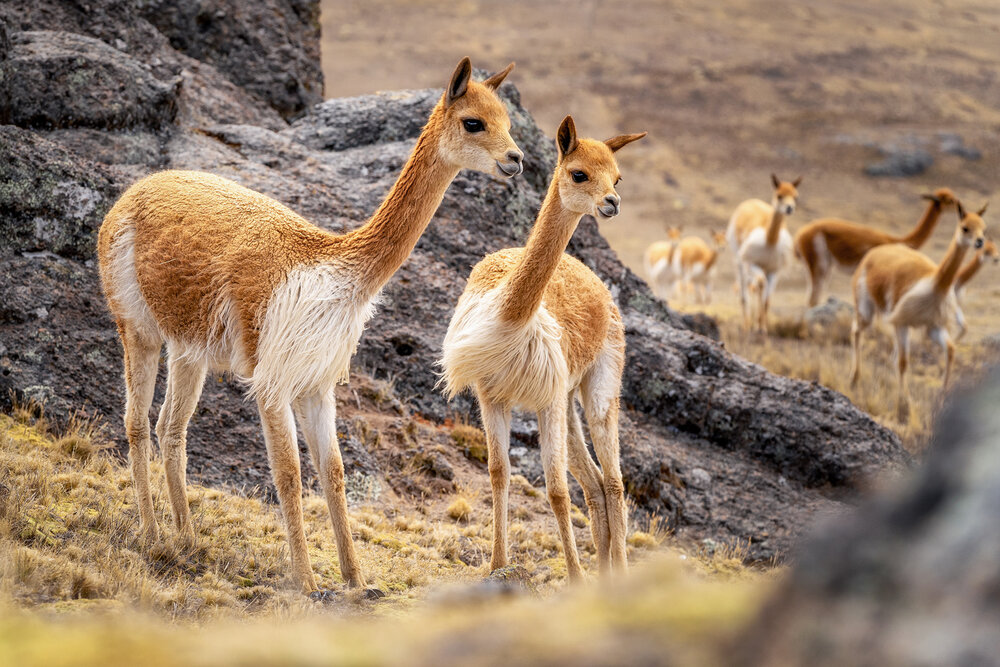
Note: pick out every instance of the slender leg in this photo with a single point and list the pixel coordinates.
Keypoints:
(743, 277)
(184, 382)
(142, 357)
(589, 476)
(902, 358)
(496, 424)
(857, 327)
(283, 455)
(318, 419)
(816, 280)
(940, 336)
(771, 281)
(603, 422)
(552, 437)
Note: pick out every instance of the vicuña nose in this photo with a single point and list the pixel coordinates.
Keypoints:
(614, 200)
(515, 156)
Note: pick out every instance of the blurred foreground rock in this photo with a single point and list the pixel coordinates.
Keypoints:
(912, 578)
(718, 446)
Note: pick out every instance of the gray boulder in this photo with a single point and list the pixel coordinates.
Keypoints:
(60, 79)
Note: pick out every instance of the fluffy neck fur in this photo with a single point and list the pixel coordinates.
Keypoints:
(922, 231)
(380, 246)
(970, 269)
(523, 290)
(947, 270)
(774, 228)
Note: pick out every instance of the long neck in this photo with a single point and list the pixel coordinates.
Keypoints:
(774, 228)
(381, 245)
(970, 269)
(524, 288)
(947, 270)
(922, 231)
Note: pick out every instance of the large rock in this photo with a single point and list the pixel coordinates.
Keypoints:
(60, 79)
(722, 449)
(910, 578)
(50, 199)
(268, 47)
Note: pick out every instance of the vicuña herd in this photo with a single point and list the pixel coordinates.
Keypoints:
(231, 280)
(891, 278)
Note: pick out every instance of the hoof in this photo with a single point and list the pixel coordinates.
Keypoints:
(323, 595)
(373, 594)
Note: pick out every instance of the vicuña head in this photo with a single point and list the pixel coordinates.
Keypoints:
(474, 130)
(587, 172)
(971, 232)
(719, 239)
(785, 195)
(674, 232)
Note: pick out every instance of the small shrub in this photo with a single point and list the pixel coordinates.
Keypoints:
(460, 509)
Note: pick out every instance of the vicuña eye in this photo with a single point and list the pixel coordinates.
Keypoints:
(579, 177)
(473, 125)
(965, 230)
(618, 180)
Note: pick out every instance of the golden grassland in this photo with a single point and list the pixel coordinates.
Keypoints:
(76, 587)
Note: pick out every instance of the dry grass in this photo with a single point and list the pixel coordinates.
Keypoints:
(77, 588)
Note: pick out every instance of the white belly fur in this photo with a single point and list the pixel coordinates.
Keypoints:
(516, 365)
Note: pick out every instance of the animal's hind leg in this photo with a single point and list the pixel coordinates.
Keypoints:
(283, 455)
(591, 480)
(142, 356)
(552, 437)
(184, 383)
(902, 359)
(318, 418)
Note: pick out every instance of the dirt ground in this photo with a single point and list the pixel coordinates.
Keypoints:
(729, 92)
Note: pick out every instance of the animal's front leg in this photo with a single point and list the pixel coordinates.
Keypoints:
(283, 455)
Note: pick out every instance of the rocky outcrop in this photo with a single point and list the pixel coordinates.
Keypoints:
(59, 79)
(723, 449)
(910, 578)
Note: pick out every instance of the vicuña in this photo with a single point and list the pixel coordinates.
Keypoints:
(534, 328)
(823, 244)
(909, 290)
(233, 280)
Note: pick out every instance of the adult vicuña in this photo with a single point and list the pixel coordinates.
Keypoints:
(659, 266)
(760, 242)
(694, 265)
(824, 243)
(533, 328)
(909, 290)
(232, 280)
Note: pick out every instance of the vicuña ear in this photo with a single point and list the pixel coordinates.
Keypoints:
(494, 81)
(982, 210)
(776, 181)
(932, 197)
(566, 137)
(459, 82)
(614, 143)
(961, 210)
(797, 181)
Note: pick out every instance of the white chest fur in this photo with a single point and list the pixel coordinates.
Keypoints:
(310, 331)
(514, 364)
